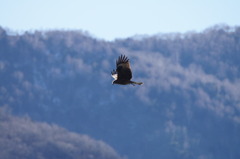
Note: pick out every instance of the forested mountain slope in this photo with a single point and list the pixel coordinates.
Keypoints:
(188, 107)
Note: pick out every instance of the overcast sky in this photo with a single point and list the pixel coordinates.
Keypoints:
(110, 19)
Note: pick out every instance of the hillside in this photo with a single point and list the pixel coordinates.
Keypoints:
(188, 107)
(22, 138)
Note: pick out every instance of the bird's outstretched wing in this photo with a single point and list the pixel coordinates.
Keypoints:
(123, 68)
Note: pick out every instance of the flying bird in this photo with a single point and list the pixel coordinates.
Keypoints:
(123, 74)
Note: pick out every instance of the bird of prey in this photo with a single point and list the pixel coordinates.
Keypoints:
(123, 74)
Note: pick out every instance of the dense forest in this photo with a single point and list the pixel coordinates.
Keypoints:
(22, 138)
(58, 83)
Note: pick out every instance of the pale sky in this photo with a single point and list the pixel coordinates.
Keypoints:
(110, 19)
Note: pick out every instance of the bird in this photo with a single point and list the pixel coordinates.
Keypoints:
(123, 74)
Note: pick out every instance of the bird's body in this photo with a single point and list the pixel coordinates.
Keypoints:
(123, 73)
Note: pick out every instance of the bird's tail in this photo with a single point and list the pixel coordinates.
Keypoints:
(138, 83)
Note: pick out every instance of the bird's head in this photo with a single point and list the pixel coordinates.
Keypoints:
(113, 82)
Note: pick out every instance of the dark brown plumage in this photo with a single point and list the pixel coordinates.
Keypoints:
(123, 73)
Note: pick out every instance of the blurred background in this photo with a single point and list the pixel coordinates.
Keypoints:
(56, 94)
